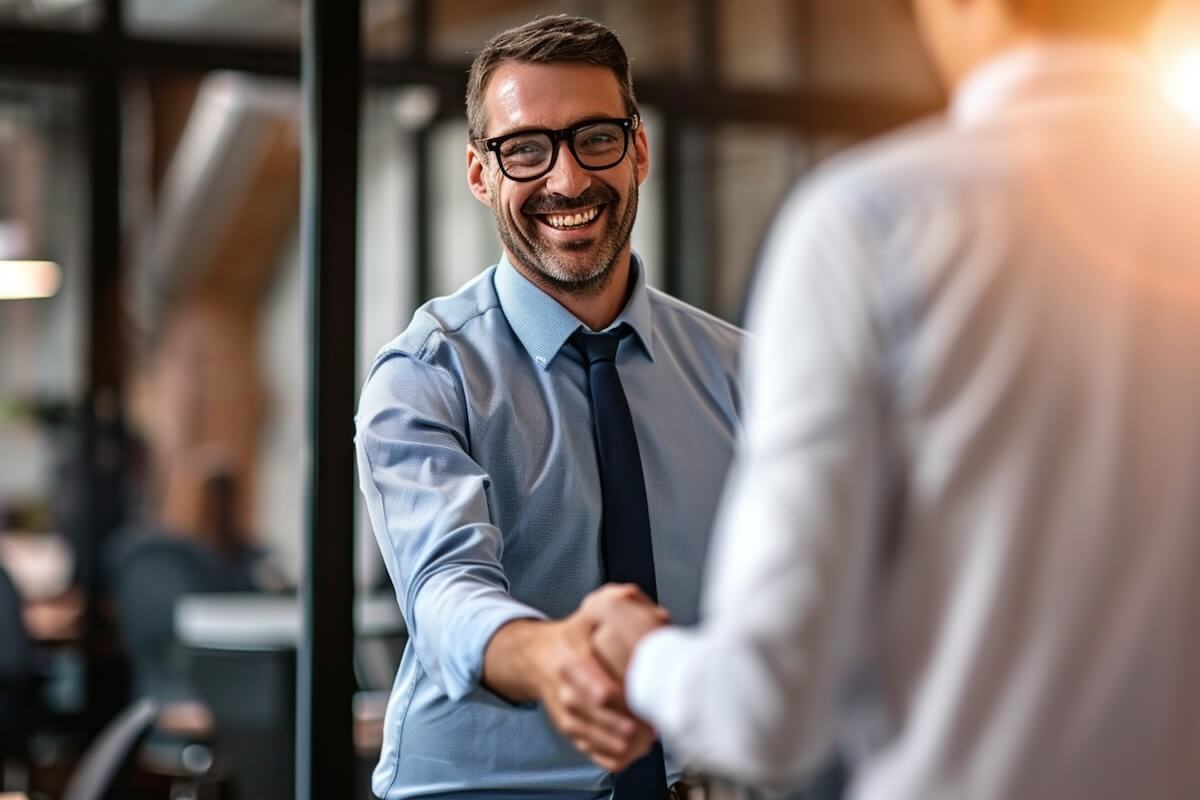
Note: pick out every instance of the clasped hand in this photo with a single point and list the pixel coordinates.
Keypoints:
(585, 696)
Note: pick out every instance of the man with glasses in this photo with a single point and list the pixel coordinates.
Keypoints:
(554, 425)
(970, 479)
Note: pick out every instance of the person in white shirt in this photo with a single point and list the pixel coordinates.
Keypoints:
(967, 508)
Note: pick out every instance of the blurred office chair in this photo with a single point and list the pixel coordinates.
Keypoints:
(149, 573)
(249, 696)
(18, 682)
(96, 776)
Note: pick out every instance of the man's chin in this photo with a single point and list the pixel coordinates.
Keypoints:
(577, 278)
(578, 245)
(572, 275)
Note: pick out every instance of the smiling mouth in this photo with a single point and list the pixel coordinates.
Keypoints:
(577, 219)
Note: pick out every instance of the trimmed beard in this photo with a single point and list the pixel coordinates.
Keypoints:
(522, 239)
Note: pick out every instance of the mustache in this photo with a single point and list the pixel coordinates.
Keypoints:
(557, 204)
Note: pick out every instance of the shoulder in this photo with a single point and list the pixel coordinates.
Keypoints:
(422, 367)
(678, 323)
(443, 326)
(678, 314)
(924, 163)
(892, 156)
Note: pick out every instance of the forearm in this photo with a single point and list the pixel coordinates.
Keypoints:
(511, 668)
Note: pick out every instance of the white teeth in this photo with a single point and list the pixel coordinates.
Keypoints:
(573, 220)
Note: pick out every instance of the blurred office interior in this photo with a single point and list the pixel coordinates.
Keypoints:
(156, 362)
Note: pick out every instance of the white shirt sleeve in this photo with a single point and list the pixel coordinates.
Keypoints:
(749, 693)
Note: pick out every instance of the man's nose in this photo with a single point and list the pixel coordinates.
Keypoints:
(567, 178)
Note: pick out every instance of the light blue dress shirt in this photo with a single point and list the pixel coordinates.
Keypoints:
(478, 464)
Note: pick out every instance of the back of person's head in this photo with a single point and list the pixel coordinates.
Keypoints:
(1123, 18)
(545, 40)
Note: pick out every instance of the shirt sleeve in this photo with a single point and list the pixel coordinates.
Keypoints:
(793, 539)
(426, 499)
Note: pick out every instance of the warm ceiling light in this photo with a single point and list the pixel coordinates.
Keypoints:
(1181, 81)
(29, 280)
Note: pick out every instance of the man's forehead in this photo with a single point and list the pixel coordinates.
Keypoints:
(550, 95)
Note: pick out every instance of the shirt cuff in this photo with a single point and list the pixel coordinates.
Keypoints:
(465, 672)
(655, 682)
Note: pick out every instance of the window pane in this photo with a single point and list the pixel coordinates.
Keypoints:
(219, 358)
(760, 42)
(386, 263)
(217, 398)
(386, 25)
(464, 233)
(755, 169)
(387, 28)
(43, 183)
(868, 45)
(73, 14)
(263, 20)
(655, 35)
(833, 45)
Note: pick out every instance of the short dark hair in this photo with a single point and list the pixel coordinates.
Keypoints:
(1120, 17)
(546, 40)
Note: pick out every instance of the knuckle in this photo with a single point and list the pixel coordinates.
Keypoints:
(604, 694)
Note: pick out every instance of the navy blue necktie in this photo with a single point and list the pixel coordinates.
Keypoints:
(625, 520)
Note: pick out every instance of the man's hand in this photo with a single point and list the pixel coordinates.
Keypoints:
(553, 663)
(627, 616)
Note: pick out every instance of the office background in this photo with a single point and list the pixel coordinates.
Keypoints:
(157, 362)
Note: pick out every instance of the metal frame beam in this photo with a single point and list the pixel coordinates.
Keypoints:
(699, 98)
(332, 87)
(100, 420)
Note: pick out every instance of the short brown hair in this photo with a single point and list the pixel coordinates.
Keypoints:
(1121, 17)
(546, 40)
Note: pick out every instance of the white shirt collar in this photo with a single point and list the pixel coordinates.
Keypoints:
(1049, 70)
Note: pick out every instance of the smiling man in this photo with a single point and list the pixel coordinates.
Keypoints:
(963, 536)
(553, 425)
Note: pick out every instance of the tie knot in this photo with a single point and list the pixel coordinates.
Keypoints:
(596, 347)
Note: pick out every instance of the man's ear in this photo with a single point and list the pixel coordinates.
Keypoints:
(641, 149)
(477, 177)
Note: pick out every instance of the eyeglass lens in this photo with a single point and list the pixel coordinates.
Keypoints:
(597, 146)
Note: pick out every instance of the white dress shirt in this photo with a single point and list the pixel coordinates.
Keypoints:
(969, 494)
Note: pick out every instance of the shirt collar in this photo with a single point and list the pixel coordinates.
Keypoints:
(1049, 70)
(543, 325)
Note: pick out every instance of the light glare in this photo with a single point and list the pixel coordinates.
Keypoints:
(1181, 82)
(29, 280)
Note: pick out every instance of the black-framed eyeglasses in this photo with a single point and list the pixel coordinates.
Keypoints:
(596, 144)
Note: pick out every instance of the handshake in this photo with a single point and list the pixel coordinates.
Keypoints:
(575, 667)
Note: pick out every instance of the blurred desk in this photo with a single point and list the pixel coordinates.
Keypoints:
(240, 656)
(271, 622)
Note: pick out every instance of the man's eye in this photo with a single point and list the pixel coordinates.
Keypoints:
(523, 150)
(599, 140)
